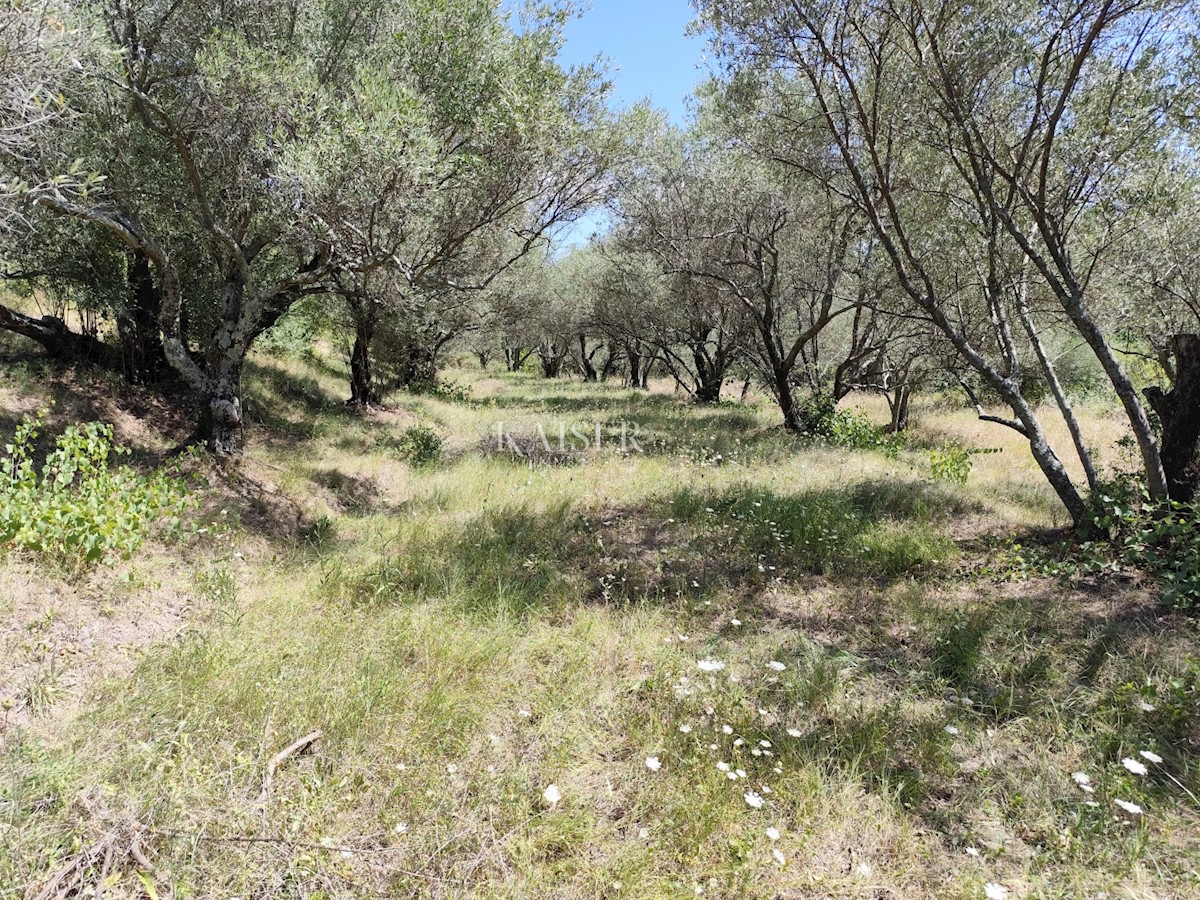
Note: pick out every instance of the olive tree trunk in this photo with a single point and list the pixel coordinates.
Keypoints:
(1179, 413)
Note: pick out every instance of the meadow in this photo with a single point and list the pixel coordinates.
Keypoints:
(390, 657)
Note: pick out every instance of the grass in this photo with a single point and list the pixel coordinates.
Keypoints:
(467, 633)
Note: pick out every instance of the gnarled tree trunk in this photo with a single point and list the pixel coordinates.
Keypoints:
(142, 357)
(60, 342)
(1179, 413)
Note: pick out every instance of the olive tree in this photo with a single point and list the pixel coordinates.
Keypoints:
(988, 146)
(778, 247)
(262, 149)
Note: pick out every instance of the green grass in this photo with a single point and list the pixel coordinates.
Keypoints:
(467, 633)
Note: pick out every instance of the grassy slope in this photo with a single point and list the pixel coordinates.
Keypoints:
(468, 634)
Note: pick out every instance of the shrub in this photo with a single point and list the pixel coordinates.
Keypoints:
(74, 506)
(1122, 530)
(1166, 540)
(440, 390)
(846, 428)
(952, 461)
(420, 445)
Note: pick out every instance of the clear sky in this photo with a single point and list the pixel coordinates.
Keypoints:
(643, 40)
(648, 57)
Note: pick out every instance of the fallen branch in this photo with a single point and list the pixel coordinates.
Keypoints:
(139, 855)
(71, 875)
(281, 757)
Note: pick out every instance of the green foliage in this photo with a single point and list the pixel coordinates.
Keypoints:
(440, 390)
(1166, 540)
(1123, 531)
(420, 445)
(74, 506)
(847, 428)
(952, 461)
(293, 334)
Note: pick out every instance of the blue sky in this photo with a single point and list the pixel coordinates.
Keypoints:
(644, 42)
(648, 56)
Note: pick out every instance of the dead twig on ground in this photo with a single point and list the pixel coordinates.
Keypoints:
(298, 746)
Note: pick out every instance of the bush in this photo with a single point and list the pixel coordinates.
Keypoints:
(420, 445)
(1165, 539)
(846, 428)
(1123, 530)
(74, 507)
(952, 461)
(440, 390)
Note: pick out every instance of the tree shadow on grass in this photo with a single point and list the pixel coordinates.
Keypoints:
(288, 406)
(673, 548)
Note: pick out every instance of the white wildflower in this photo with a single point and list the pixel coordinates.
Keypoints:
(950, 729)
(753, 800)
(726, 729)
(779, 857)
(773, 833)
(723, 766)
(1150, 756)
(551, 794)
(1132, 808)
(795, 732)
(653, 763)
(1134, 766)
(710, 665)
(994, 891)
(776, 665)
(685, 729)
(972, 851)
